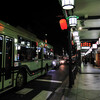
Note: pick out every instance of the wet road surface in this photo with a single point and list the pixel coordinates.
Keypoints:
(47, 87)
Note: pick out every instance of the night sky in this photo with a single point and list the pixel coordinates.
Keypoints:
(40, 18)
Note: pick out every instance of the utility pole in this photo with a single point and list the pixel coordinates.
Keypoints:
(70, 58)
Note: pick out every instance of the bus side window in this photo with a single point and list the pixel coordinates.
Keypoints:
(33, 49)
(45, 53)
(27, 50)
(48, 54)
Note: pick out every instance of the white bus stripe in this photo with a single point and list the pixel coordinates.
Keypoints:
(49, 80)
(24, 91)
(43, 95)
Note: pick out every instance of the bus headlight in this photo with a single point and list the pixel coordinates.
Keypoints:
(54, 63)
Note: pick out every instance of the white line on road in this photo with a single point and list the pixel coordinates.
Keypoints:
(24, 91)
(43, 95)
(49, 80)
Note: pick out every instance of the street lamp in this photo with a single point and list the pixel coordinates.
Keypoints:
(68, 4)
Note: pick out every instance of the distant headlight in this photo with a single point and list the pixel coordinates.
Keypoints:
(62, 61)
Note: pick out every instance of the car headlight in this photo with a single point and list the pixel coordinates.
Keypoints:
(62, 61)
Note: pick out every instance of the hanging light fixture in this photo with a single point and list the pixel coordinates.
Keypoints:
(68, 4)
(73, 20)
(75, 33)
(78, 47)
(94, 46)
(99, 40)
(78, 43)
(77, 38)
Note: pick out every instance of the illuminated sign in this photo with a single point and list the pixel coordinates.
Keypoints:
(45, 45)
(1, 27)
(41, 44)
(85, 44)
(45, 41)
(85, 48)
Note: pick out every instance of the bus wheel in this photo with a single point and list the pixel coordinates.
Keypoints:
(21, 79)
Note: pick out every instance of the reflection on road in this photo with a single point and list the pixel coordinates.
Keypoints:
(41, 86)
(62, 67)
(58, 74)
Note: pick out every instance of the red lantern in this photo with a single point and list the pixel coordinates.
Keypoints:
(63, 24)
(72, 42)
(36, 43)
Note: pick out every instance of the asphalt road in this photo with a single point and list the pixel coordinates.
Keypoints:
(48, 87)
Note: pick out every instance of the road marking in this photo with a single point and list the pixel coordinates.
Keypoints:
(58, 89)
(49, 80)
(43, 95)
(24, 91)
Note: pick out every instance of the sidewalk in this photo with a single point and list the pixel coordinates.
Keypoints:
(86, 87)
(89, 69)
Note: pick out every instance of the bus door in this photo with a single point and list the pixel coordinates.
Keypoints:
(1, 64)
(8, 62)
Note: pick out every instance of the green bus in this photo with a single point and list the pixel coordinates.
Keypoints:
(23, 57)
